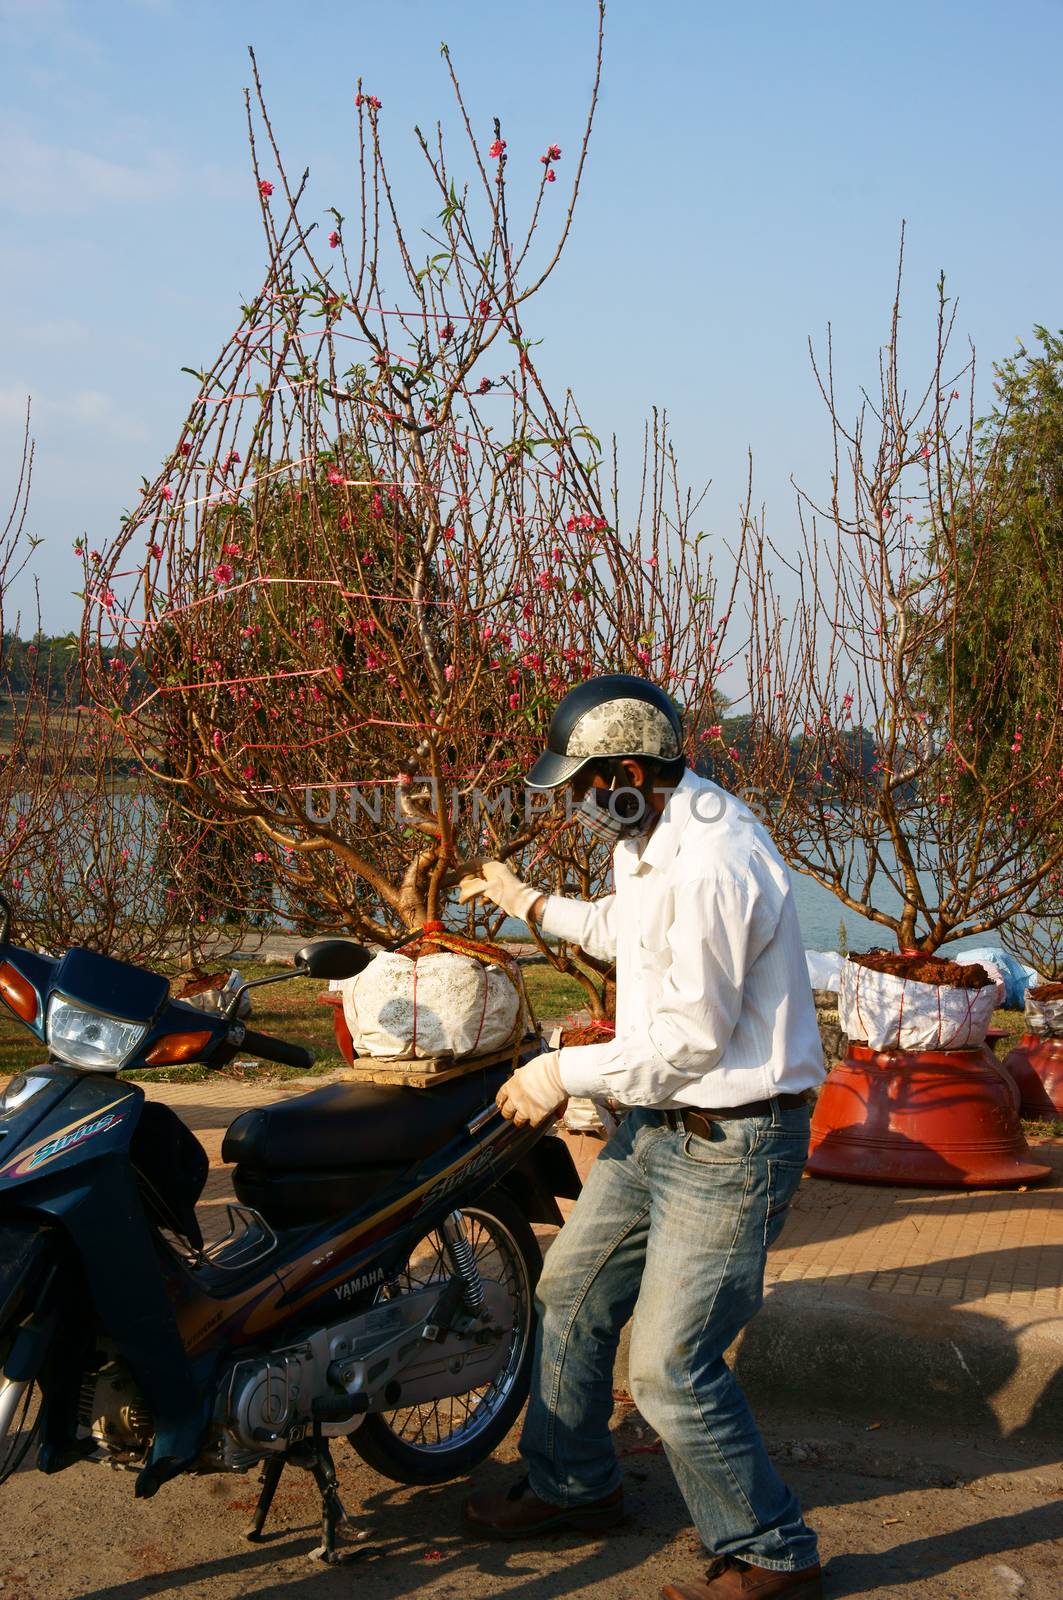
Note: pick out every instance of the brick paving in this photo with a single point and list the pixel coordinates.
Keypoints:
(208, 1108)
(990, 1250)
(998, 1251)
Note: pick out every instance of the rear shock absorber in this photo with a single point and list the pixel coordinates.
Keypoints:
(464, 1258)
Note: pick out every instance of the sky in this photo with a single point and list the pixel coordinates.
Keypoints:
(749, 173)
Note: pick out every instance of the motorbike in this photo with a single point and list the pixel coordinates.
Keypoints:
(375, 1281)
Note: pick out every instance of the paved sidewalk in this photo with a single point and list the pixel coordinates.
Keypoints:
(208, 1108)
(910, 1301)
(988, 1249)
(939, 1306)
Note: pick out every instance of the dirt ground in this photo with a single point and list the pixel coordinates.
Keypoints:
(900, 1517)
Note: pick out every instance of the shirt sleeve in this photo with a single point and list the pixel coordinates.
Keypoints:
(588, 923)
(722, 923)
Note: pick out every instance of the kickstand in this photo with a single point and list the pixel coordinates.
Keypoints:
(312, 1456)
(271, 1476)
(316, 1457)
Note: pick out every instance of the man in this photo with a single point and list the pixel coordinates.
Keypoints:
(716, 1042)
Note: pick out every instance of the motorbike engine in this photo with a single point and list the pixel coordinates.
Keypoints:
(271, 1398)
(389, 1355)
(111, 1409)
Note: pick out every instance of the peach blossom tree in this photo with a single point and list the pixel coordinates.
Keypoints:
(383, 546)
(864, 735)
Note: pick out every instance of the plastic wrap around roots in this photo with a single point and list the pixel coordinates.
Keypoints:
(1044, 1011)
(421, 1007)
(884, 1003)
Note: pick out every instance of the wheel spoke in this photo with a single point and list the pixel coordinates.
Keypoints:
(423, 1427)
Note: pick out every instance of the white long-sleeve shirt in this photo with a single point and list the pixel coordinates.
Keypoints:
(713, 1001)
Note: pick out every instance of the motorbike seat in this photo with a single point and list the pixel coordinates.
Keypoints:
(345, 1125)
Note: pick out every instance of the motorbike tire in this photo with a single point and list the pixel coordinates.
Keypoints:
(26, 1249)
(379, 1441)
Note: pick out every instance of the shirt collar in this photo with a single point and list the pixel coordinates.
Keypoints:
(663, 842)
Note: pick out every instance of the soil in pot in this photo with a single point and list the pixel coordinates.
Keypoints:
(1048, 991)
(588, 1033)
(922, 968)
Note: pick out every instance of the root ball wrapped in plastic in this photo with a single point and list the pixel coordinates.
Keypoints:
(893, 1001)
(441, 996)
(1044, 1010)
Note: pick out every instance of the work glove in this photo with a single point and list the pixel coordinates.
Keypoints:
(496, 882)
(534, 1092)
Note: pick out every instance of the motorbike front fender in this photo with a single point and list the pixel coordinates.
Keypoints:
(24, 1251)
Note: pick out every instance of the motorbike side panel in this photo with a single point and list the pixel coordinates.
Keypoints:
(74, 1168)
(80, 1119)
(23, 1245)
(334, 1268)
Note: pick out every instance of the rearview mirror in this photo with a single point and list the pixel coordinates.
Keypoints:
(333, 958)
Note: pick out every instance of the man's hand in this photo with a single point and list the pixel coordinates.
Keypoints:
(534, 1092)
(496, 882)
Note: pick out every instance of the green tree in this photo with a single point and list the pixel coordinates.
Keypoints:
(1011, 554)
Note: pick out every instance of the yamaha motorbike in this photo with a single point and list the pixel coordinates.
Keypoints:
(375, 1281)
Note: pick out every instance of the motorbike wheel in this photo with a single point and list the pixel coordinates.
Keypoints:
(20, 1419)
(23, 1255)
(432, 1443)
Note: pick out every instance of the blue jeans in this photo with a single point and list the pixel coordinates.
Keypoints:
(675, 1228)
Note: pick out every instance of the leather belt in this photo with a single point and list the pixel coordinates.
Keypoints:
(699, 1119)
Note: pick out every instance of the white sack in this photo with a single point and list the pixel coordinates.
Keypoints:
(825, 969)
(1044, 1017)
(899, 1014)
(399, 1009)
(581, 1116)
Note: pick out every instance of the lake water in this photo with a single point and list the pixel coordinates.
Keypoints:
(819, 914)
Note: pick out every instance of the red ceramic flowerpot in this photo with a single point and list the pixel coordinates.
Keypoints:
(339, 1022)
(940, 1119)
(1036, 1064)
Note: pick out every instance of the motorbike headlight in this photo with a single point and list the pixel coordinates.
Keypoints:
(90, 1039)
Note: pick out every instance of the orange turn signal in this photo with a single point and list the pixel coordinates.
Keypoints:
(19, 993)
(178, 1047)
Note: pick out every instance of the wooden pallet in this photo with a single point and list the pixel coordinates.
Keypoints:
(428, 1073)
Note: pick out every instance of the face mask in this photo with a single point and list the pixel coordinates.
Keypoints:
(614, 814)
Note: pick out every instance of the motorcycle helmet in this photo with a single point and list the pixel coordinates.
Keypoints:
(604, 719)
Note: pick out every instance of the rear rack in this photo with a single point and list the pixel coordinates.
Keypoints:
(248, 1240)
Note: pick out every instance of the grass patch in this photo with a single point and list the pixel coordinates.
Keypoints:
(552, 995)
(1013, 1023)
(1048, 1129)
(18, 1048)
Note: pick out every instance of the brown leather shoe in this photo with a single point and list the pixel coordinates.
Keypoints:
(517, 1513)
(731, 1579)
